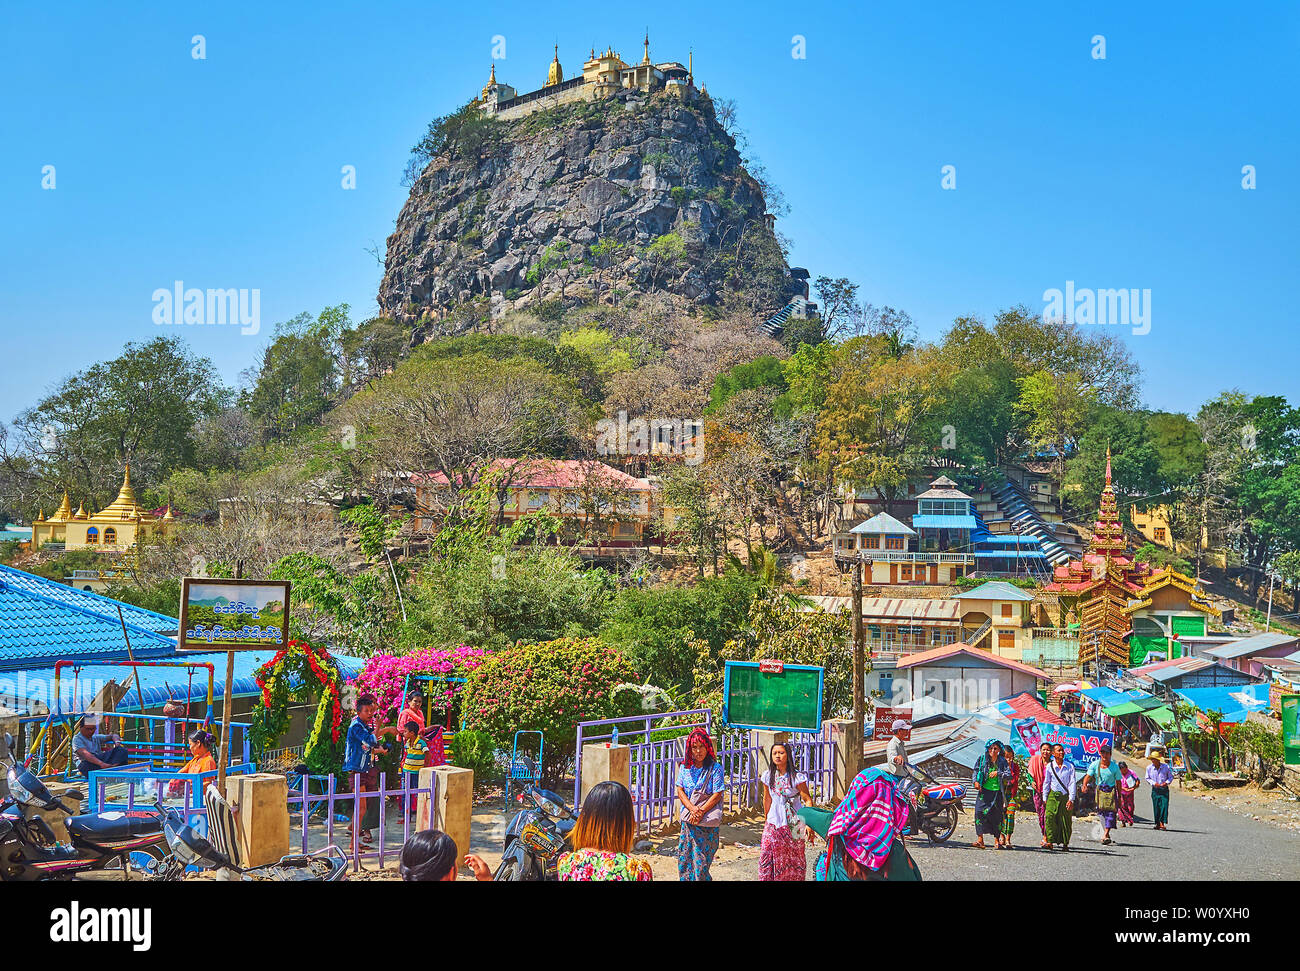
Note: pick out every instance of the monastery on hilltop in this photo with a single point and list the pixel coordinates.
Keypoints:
(603, 76)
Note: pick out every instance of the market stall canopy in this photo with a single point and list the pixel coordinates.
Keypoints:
(1234, 701)
(1162, 716)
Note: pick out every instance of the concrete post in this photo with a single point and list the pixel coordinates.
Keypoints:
(605, 763)
(848, 753)
(261, 807)
(452, 806)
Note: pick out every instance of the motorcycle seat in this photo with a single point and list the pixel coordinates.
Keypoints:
(565, 826)
(113, 826)
(947, 790)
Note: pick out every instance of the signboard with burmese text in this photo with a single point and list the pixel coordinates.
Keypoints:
(233, 615)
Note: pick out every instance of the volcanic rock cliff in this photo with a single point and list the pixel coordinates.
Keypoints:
(588, 201)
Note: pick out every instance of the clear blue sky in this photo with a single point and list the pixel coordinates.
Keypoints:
(225, 172)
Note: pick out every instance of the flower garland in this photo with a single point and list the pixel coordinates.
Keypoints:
(272, 719)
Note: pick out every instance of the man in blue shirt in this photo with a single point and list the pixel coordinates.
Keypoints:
(95, 751)
(358, 753)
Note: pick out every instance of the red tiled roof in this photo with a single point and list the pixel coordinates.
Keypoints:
(1027, 706)
(952, 650)
(555, 474)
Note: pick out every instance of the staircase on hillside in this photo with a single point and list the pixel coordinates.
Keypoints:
(776, 323)
(1017, 510)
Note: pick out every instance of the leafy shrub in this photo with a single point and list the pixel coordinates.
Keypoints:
(475, 750)
(548, 687)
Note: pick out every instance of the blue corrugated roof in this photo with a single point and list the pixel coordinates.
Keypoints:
(1010, 554)
(39, 623)
(1106, 696)
(36, 685)
(1235, 701)
(943, 522)
(93, 602)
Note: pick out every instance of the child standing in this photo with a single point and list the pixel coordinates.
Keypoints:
(414, 754)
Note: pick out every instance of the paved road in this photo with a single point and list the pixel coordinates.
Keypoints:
(1203, 842)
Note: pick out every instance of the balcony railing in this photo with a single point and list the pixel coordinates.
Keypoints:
(904, 556)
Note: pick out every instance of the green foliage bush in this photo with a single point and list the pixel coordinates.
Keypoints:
(548, 687)
(475, 750)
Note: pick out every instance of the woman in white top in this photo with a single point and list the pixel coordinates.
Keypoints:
(782, 854)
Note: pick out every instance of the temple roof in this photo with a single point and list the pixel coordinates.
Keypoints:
(125, 505)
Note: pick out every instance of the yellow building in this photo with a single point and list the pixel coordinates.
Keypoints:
(120, 526)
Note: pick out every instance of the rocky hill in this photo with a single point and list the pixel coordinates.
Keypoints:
(593, 201)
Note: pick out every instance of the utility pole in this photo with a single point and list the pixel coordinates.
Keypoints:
(1268, 623)
(859, 657)
(227, 703)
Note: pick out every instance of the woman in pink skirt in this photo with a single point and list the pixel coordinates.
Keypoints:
(1128, 784)
(782, 854)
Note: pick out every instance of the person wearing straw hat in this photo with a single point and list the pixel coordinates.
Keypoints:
(896, 751)
(1159, 776)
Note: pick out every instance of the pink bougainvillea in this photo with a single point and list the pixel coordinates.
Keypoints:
(385, 675)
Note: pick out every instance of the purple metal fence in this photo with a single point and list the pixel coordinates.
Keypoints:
(654, 762)
(319, 814)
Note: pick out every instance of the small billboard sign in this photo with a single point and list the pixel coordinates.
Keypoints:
(233, 615)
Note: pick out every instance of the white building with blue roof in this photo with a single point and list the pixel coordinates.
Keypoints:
(946, 540)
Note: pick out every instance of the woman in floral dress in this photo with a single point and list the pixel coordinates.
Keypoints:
(602, 838)
(700, 785)
(783, 851)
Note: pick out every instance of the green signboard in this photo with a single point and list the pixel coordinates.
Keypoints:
(772, 695)
(1290, 729)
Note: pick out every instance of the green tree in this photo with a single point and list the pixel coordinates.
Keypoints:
(298, 378)
(1057, 407)
(142, 407)
(465, 135)
(762, 372)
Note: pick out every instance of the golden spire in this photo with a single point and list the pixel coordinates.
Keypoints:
(492, 80)
(646, 60)
(40, 516)
(81, 512)
(690, 67)
(125, 505)
(168, 514)
(556, 74)
(64, 512)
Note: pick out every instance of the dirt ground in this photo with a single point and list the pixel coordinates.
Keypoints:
(1275, 806)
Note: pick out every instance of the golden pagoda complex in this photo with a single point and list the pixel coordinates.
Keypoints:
(118, 527)
(1125, 609)
(603, 76)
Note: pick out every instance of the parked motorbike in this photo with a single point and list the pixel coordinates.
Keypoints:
(536, 836)
(934, 805)
(189, 849)
(95, 845)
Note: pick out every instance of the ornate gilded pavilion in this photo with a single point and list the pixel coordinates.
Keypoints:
(1113, 596)
(118, 527)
